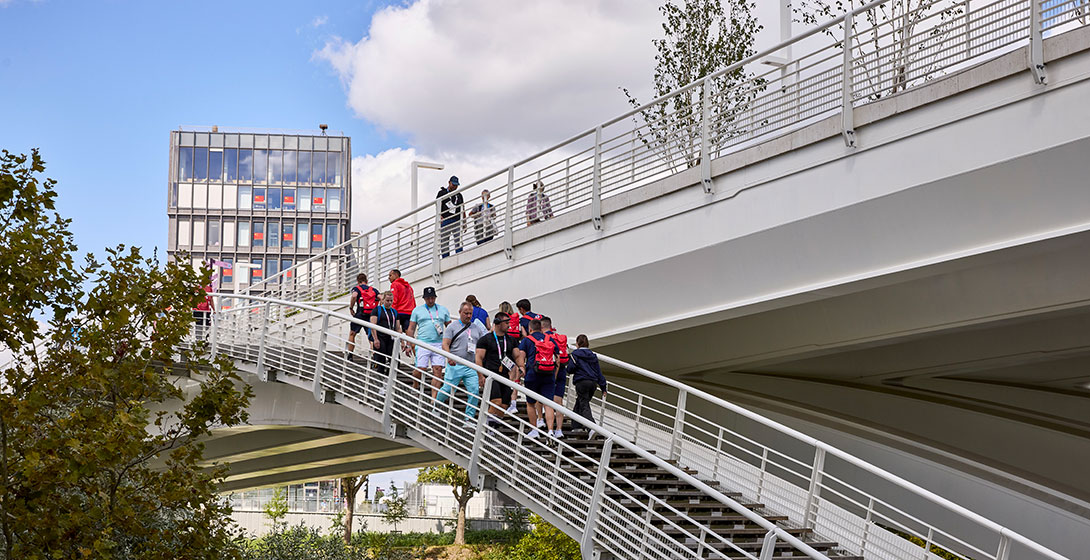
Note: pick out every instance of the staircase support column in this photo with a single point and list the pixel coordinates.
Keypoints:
(705, 138)
(812, 495)
(478, 437)
(261, 344)
(768, 546)
(596, 182)
(321, 395)
(847, 110)
(391, 378)
(586, 544)
(679, 426)
(508, 216)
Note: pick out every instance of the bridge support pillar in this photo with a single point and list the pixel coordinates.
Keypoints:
(322, 394)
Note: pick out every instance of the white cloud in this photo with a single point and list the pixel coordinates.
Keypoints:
(489, 76)
(319, 21)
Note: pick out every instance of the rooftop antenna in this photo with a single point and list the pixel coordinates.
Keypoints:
(323, 127)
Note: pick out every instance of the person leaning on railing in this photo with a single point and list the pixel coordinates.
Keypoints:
(586, 376)
(538, 208)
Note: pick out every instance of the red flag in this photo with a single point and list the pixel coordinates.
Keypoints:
(288, 199)
(318, 200)
(258, 236)
(317, 237)
(259, 198)
(288, 237)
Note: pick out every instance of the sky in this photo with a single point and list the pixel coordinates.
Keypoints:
(474, 84)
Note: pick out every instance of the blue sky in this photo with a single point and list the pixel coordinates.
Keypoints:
(98, 85)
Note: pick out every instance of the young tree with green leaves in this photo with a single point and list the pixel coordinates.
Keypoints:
(458, 479)
(701, 37)
(277, 508)
(350, 488)
(396, 509)
(99, 446)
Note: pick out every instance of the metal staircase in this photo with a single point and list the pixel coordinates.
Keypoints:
(672, 472)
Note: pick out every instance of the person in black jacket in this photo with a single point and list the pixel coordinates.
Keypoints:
(586, 375)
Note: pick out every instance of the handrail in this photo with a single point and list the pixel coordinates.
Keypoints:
(832, 450)
(608, 434)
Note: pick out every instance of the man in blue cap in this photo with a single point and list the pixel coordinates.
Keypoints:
(452, 212)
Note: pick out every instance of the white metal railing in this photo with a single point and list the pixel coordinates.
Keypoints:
(868, 511)
(854, 59)
(555, 479)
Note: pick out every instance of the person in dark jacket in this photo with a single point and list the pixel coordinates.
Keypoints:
(586, 375)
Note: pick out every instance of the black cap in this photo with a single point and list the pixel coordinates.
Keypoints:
(429, 292)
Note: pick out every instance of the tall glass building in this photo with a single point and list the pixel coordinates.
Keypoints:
(266, 200)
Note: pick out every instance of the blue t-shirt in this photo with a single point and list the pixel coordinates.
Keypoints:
(530, 349)
(479, 314)
(430, 322)
(524, 321)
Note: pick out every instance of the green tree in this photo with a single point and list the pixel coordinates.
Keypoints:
(458, 479)
(701, 37)
(277, 509)
(99, 449)
(545, 542)
(396, 510)
(350, 488)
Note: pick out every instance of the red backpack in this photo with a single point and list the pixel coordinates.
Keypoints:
(561, 343)
(366, 297)
(513, 328)
(545, 360)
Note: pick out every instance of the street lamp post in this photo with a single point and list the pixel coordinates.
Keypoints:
(414, 222)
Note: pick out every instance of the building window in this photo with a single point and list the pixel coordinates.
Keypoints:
(185, 164)
(242, 275)
(290, 159)
(276, 167)
(333, 168)
(273, 200)
(304, 167)
(228, 233)
(200, 163)
(213, 233)
(270, 269)
(334, 199)
(274, 234)
(303, 239)
(198, 233)
(185, 195)
(331, 235)
(316, 236)
(285, 266)
(257, 273)
(230, 197)
(289, 199)
(259, 234)
(174, 195)
(183, 233)
(244, 201)
(215, 196)
(245, 165)
(318, 175)
(230, 164)
(289, 234)
(259, 198)
(317, 197)
(200, 195)
(261, 166)
(244, 234)
(228, 271)
(215, 165)
(304, 199)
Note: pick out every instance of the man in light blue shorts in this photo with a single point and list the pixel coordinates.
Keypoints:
(460, 339)
(427, 323)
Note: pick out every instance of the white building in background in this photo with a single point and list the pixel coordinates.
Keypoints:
(437, 500)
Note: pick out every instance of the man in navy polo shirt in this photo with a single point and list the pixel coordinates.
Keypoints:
(539, 357)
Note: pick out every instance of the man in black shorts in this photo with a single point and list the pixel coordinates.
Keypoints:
(496, 352)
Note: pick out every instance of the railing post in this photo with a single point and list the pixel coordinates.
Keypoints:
(768, 546)
(596, 184)
(478, 437)
(320, 394)
(391, 377)
(847, 110)
(636, 424)
(679, 426)
(325, 279)
(567, 182)
(213, 339)
(812, 495)
(509, 216)
(1004, 551)
(705, 138)
(375, 274)
(586, 543)
(866, 527)
(1037, 44)
(437, 242)
(261, 370)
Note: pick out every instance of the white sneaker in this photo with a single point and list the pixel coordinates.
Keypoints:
(590, 434)
(558, 433)
(534, 434)
(433, 411)
(513, 409)
(469, 424)
(540, 423)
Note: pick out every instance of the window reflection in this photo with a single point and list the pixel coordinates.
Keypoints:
(244, 234)
(228, 272)
(333, 168)
(174, 195)
(289, 166)
(276, 167)
(318, 199)
(304, 167)
(200, 163)
(244, 201)
(215, 165)
(213, 233)
(289, 199)
(259, 234)
(330, 235)
(261, 166)
(289, 234)
(285, 265)
(273, 199)
(230, 160)
(304, 200)
(274, 234)
(257, 273)
(318, 175)
(185, 164)
(316, 236)
(270, 269)
(304, 239)
(334, 199)
(245, 165)
(228, 233)
(259, 198)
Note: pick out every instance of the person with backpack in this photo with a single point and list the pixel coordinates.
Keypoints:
(527, 315)
(586, 376)
(498, 352)
(561, 385)
(384, 315)
(461, 339)
(514, 332)
(404, 300)
(361, 305)
(539, 355)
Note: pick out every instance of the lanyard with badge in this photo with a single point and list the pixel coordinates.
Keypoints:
(505, 360)
(434, 323)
